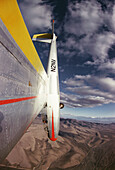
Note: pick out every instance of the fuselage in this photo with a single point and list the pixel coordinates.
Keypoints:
(53, 96)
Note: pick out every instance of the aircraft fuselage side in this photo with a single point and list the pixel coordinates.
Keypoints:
(53, 97)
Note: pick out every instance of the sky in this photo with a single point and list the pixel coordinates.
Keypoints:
(86, 51)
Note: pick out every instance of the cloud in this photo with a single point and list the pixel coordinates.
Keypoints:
(90, 30)
(108, 66)
(81, 25)
(35, 15)
(69, 100)
(106, 84)
(75, 101)
(88, 91)
(98, 45)
(84, 17)
(113, 18)
(72, 82)
(87, 17)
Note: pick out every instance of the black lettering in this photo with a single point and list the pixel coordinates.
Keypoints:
(53, 65)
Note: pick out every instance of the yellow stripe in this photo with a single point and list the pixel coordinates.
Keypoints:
(12, 18)
(45, 35)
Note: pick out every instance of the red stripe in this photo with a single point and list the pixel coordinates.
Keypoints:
(53, 133)
(9, 101)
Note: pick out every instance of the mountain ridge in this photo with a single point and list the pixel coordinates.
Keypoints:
(80, 145)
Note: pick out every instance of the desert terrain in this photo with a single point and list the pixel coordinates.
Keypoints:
(81, 145)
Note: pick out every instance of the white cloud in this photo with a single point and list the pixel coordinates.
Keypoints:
(73, 82)
(97, 45)
(113, 19)
(102, 83)
(88, 91)
(86, 101)
(37, 16)
(82, 76)
(102, 44)
(110, 65)
(84, 17)
(108, 84)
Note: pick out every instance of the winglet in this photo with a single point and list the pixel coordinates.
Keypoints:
(46, 37)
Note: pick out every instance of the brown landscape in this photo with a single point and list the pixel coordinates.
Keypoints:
(80, 146)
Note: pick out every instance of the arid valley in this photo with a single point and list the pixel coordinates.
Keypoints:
(81, 145)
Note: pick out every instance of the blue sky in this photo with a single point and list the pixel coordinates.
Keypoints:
(86, 51)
